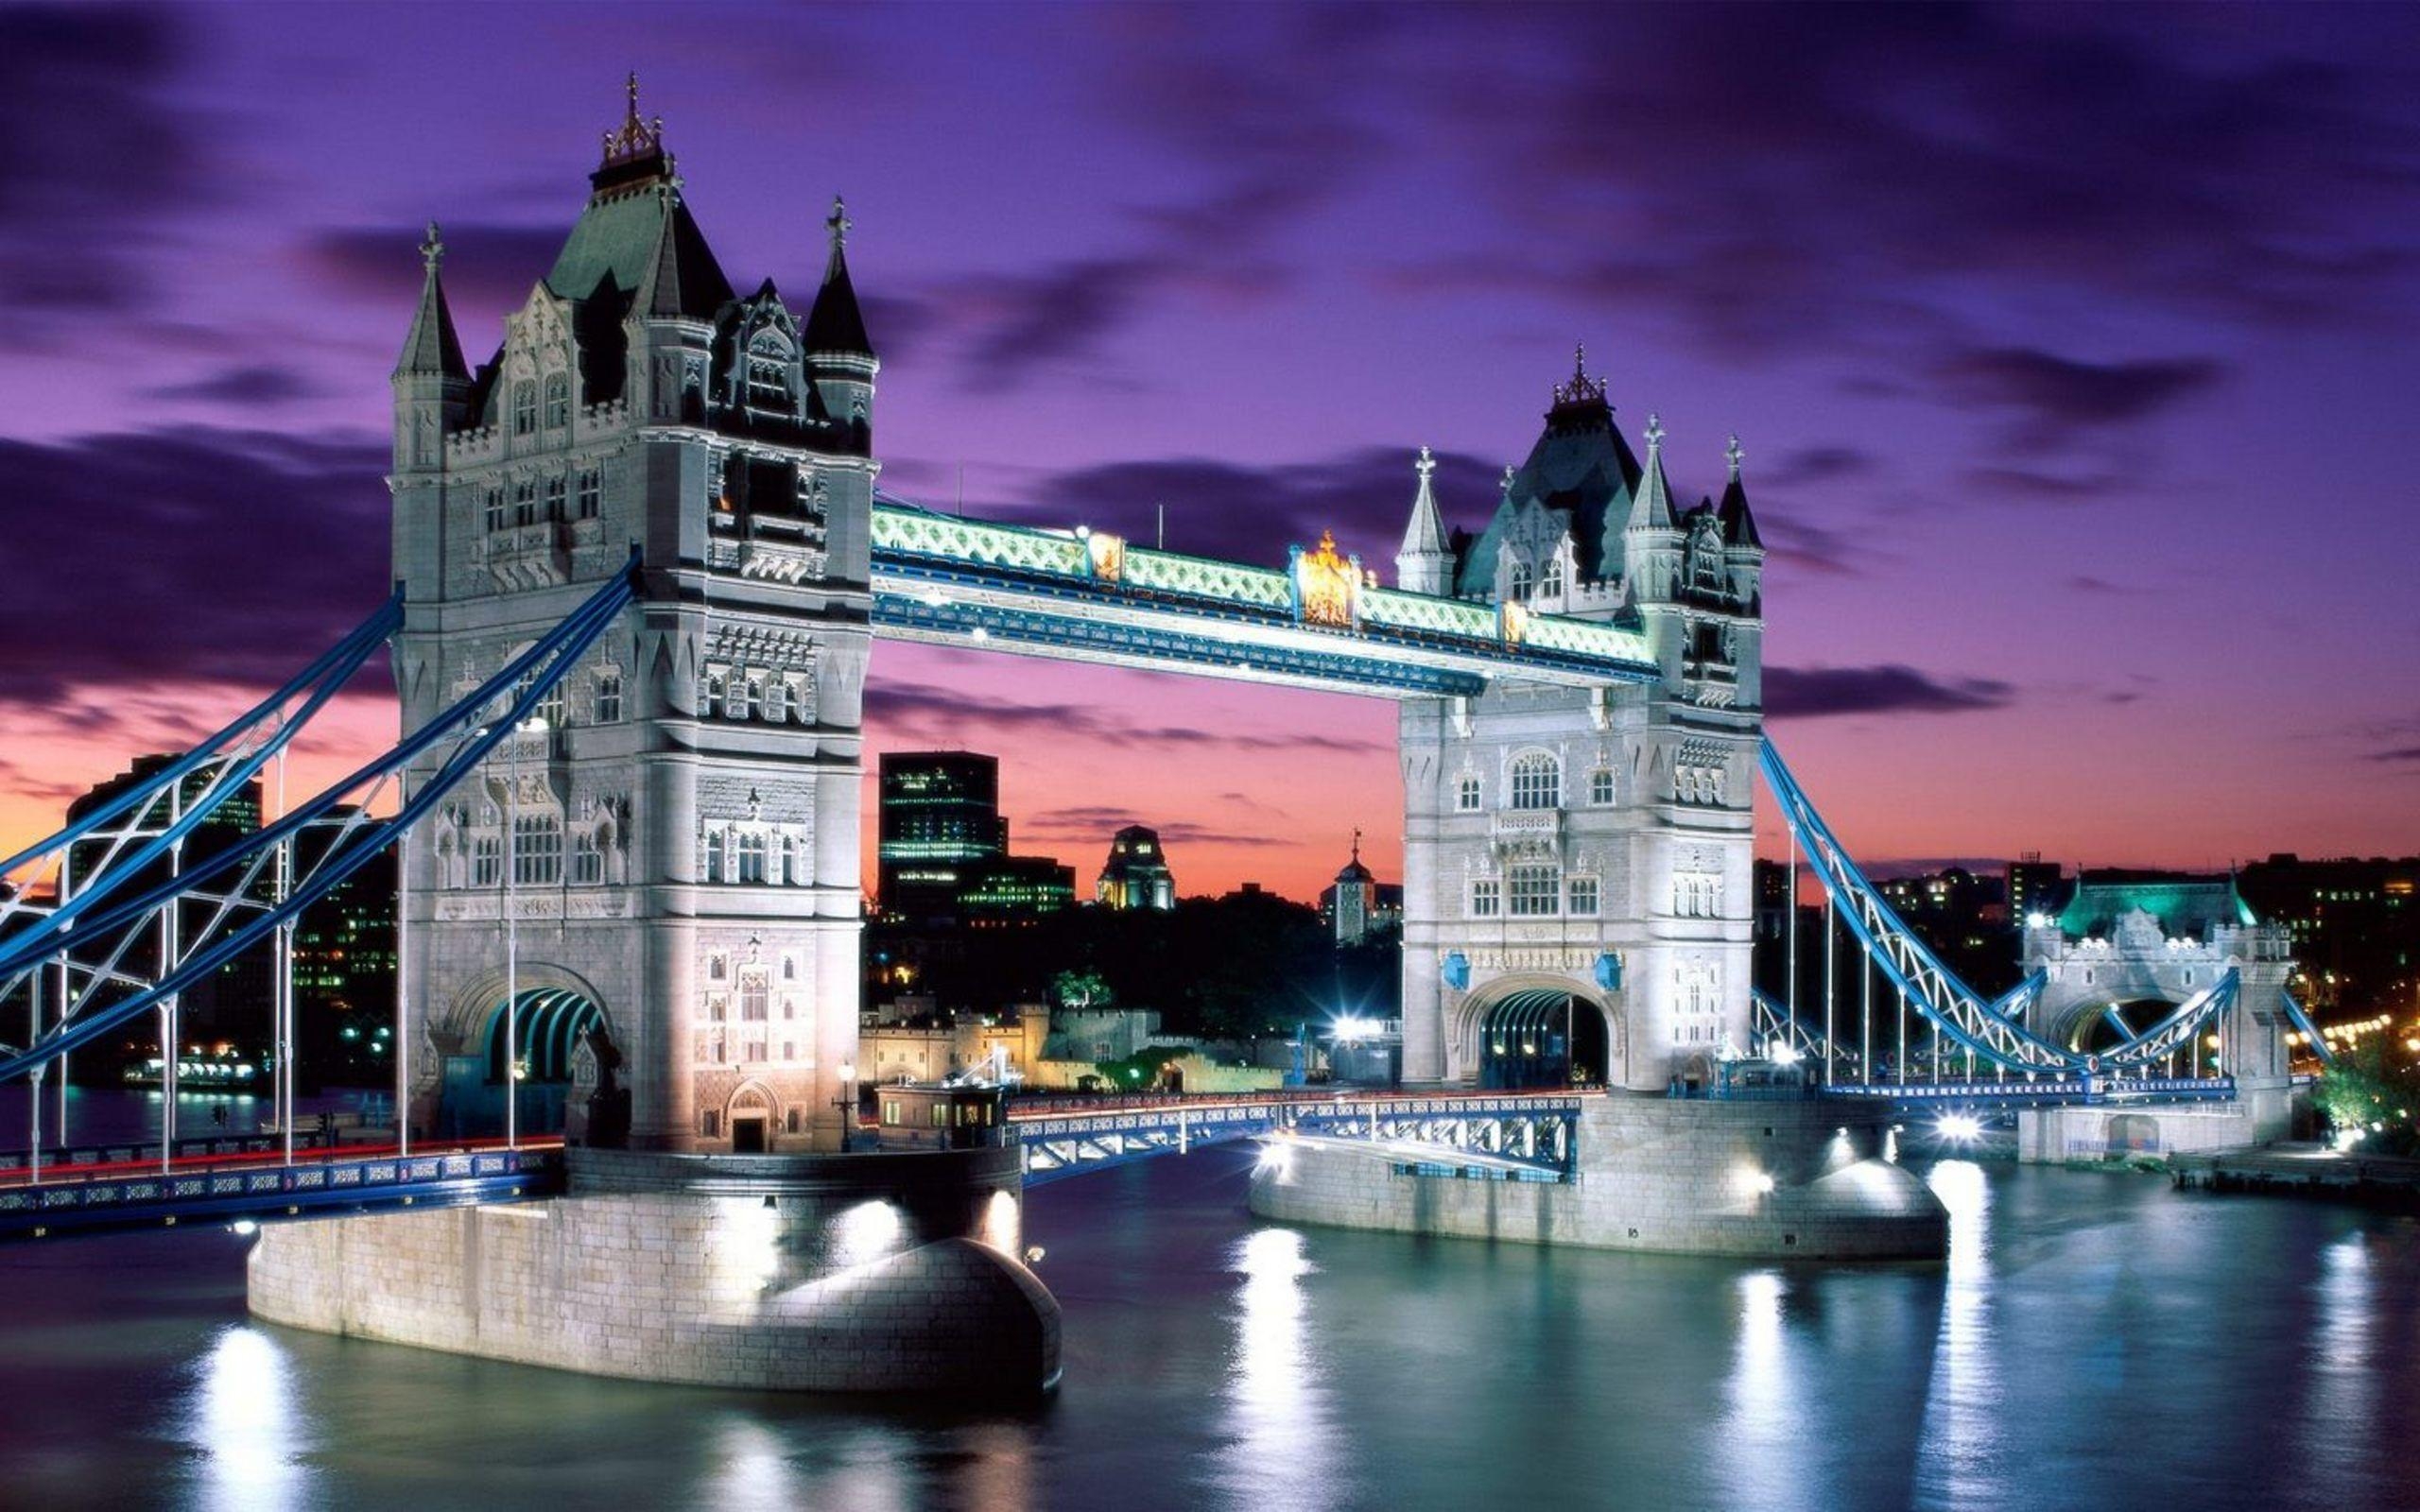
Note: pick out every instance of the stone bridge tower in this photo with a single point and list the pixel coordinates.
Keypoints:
(677, 840)
(1576, 862)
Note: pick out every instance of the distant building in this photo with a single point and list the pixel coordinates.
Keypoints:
(1357, 903)
(938, 824)
(2354, 924)
(1136, 874)
(1014, 890)
(2034, 886)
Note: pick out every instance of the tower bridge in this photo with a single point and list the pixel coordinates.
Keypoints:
(642, 563)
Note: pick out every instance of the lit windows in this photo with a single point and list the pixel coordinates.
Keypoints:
(1485, 898)
(1537, 782)
(748, 857)
(1466, 795)
(537, 849)
(1582, 893)
(1533, 892)
(558, 401)
(525, 408)
(1600, 786)
(587, 859)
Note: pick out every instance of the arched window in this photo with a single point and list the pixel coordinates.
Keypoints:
(769, 370)
(1537, 782)
(607, 707)
(1551, 582)
(1466, 795)
(1600, 785)
(748, 857)
(714, 694)
(1516, 582)
(592, 492)
(558, 401)
(554, 493)
(525, 408)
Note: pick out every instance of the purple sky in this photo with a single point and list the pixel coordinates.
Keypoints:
(2072, 350)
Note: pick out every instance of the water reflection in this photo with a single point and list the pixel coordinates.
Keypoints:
(1962, 1405)
(2342, 1399)
(1280, 1450)
(1766, 1420)
(244, 1424)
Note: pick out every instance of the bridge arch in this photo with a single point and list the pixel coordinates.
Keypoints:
(1541, 1030)
(2098, 1024)
(546, 1035)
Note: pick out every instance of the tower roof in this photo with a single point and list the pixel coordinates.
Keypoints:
(431, 348)
(1738, 521)
(1580, 465)
(1652, 507)
(836, 324)
(637, 231)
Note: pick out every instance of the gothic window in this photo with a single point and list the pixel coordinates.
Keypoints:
(1516, 582)
(588, 859)
(537, 849)
(1697, 894)
(608, 695)
(1484, 896)
(710, 857)
(558, 401)
(1466, 795)
(1537, 782)
(1600, 785)
(1532, 891)
(549, 709)
(1551, 582)
(524, 408)
(769, 368)
(524, 501)
(487, 860)
(717, 967)
(714, 693)
(790, 968)
(754, 1000)
(748, 857)
(495, 509)
(555, 486)
(1582, 894)
(592, 492)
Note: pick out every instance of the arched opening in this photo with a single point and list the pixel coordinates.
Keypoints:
(2098, 1029)
(538, 1050)
(751, 1117)
(1542, 1036)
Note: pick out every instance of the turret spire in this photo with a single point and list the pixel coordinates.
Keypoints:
(430, 349)
(1653, 507)
(836, 324)
(1426, 561)
(1738, 521)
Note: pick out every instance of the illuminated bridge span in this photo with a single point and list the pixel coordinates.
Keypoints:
(1087, 595)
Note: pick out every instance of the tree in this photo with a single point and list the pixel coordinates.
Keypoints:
(2371, 1093)
(1081, 988)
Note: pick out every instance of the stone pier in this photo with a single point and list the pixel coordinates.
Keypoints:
(1796, 1179)
(859, 1273)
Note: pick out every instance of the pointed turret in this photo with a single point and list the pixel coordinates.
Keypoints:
(1425, 562)
(1738, 521)
(835, 325)
(431, 350)
(1650, 508)
(839, 358)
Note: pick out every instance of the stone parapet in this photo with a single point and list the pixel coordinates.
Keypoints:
(1801, 1180)
(874, 1273)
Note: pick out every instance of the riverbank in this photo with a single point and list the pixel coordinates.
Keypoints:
(2390, 1182)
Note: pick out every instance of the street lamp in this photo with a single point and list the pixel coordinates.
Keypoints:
(847, 1103)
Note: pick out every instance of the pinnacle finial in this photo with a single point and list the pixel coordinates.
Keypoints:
(1427, 464)
(1579, 359)
(1507, 483)
(635, 137)
(1656, 433)
(839, 223)
(432, 251)
(1356, 845)
(1732, 454)
(632, 118)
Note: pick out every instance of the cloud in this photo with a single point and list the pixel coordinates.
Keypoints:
(1819, 464)
(2047, 397)
(101, 156)
(2039, 486)
(1811, 693)
(183, 554)
(2398, 754)
(932, 712)
(487, 265)
(2089, 583)
(251, 384)
(1100, 822)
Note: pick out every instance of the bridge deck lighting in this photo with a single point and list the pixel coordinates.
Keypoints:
(1959, 1126)
(1785, 1055)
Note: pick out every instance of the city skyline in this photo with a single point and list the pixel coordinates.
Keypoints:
(2050, 387)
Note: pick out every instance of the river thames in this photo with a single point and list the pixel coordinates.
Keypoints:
(2095, 1341)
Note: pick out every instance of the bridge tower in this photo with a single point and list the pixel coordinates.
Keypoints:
(677, 839)
(2123, 950)
(1577, 861)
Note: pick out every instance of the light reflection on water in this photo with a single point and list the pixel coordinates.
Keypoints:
(2094, 1341)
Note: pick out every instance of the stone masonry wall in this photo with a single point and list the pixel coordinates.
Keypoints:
(650, 1271)
(1656, 1174)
